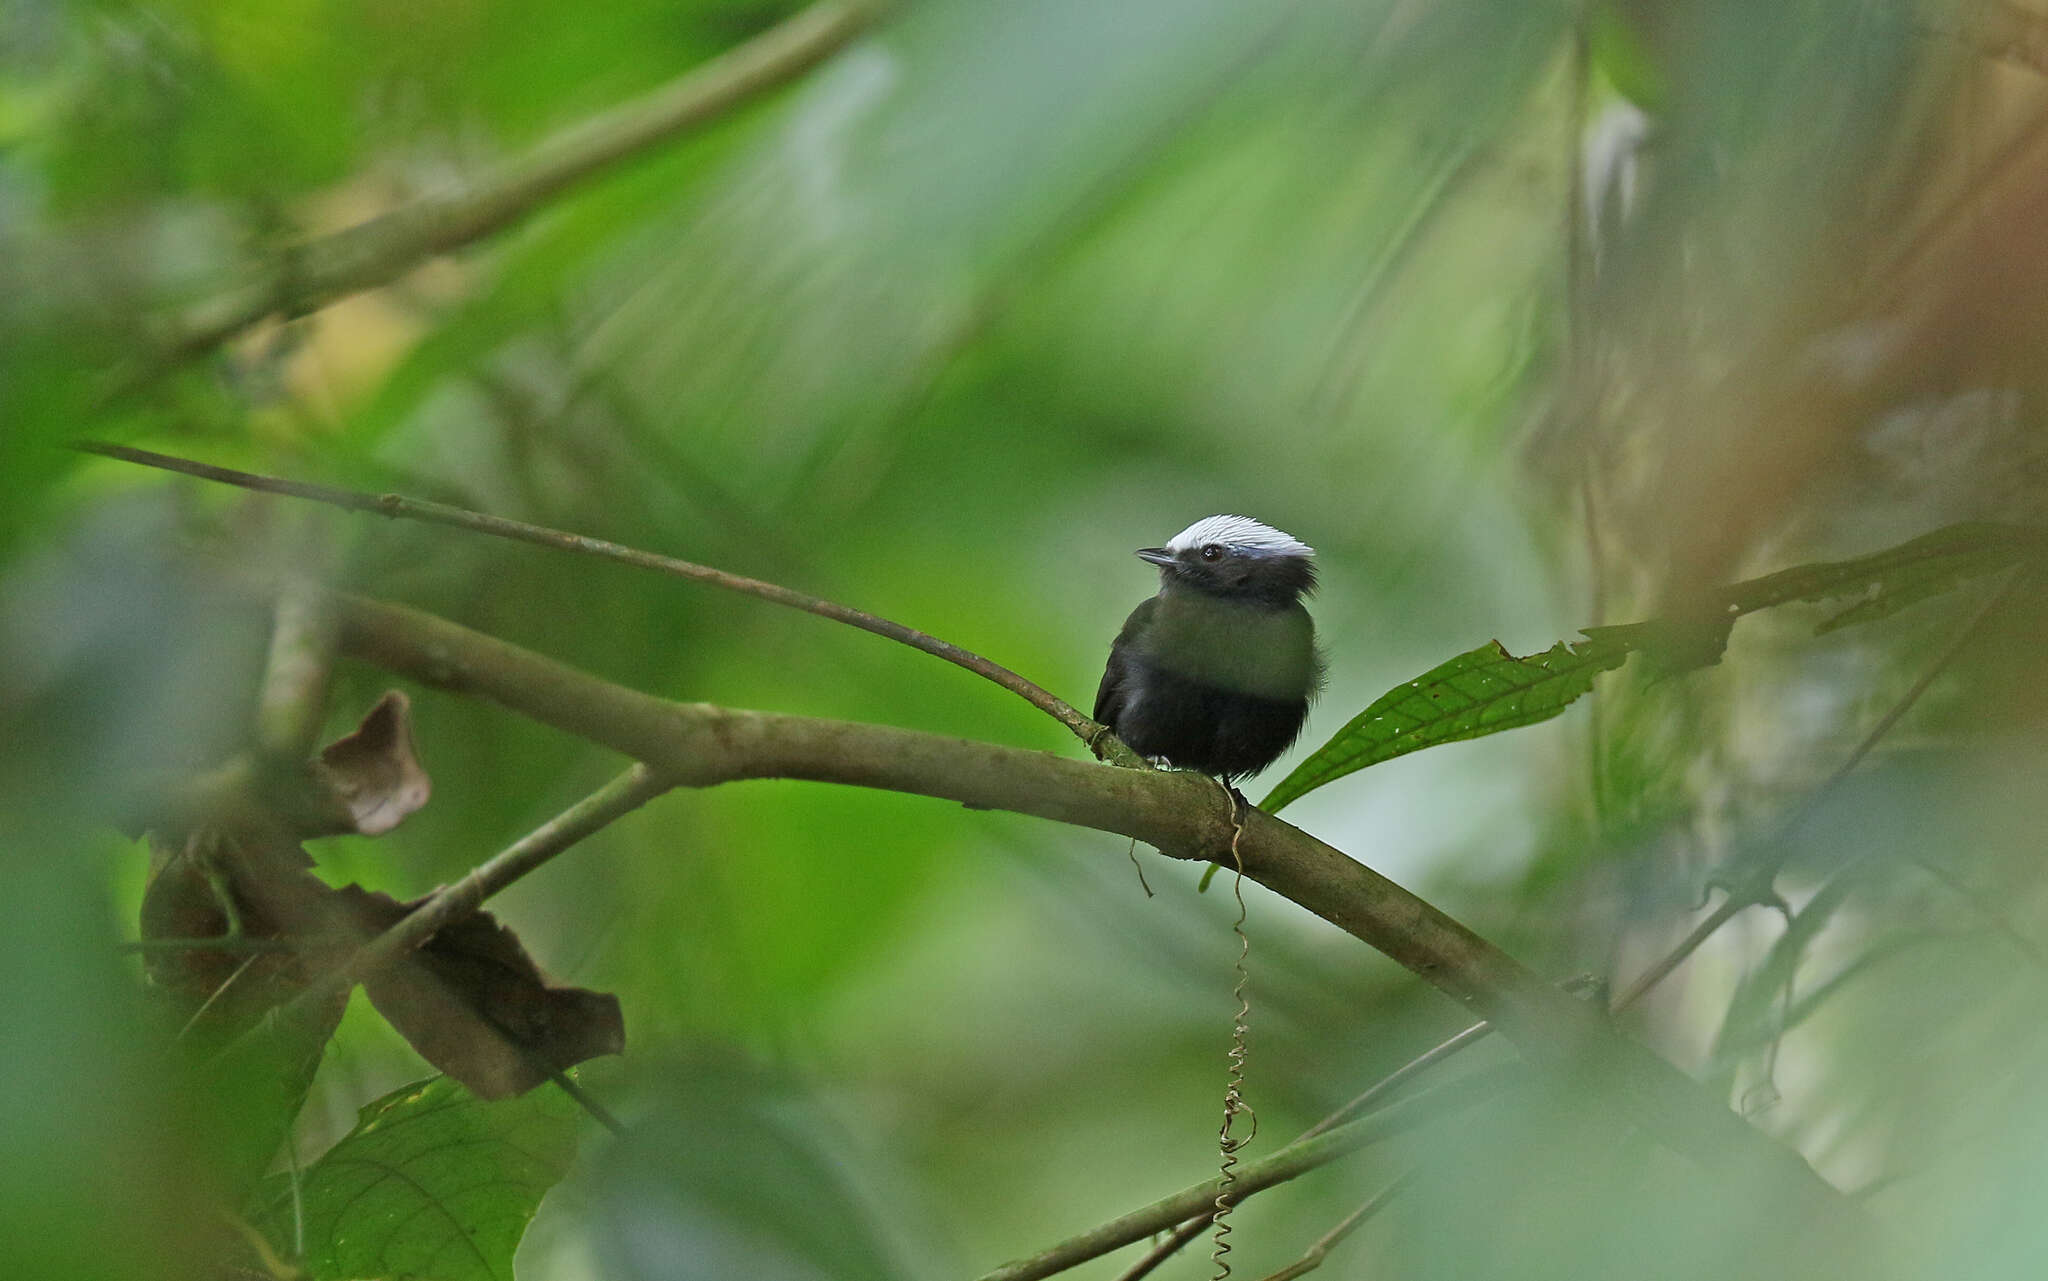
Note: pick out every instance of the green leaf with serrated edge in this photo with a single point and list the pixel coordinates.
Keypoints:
(433, 1184)
(1477, 693)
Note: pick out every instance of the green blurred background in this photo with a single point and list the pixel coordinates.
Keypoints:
(1527, 315)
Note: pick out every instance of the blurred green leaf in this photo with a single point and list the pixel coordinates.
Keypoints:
(1621, 51)
(432, 1184)
(741, 1179)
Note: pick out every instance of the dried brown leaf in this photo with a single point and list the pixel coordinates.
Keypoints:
(475, 1005)
(373, 772)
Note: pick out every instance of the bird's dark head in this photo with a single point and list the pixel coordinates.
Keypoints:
(1237, 558)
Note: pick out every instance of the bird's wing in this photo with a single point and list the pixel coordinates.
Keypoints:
(1109, 696)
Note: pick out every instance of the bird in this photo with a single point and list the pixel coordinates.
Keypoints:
(1216, 672)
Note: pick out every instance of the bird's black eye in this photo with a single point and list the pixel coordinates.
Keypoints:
(1212, 551)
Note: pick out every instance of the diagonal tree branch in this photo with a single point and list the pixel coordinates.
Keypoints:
(1297, 1158)
(433, 513)
(1373, 1095)
(315, 272)
(1319, 1250)
(700, 745)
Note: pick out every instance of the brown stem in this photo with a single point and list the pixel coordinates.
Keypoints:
(1313, 1257)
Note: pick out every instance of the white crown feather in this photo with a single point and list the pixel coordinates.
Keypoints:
(1239, 533)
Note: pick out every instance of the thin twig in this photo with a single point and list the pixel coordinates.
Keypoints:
(399, 506)
(1182, 1236)
(315, 272)
(291, 1152)
(1401, 1076)
(1976, 900)
(1757, 884)
(1371, 1096)
(1290, 1162)
(214, 996)
(451, 903)
(1313, 1257)
(567, 1084)
(584, 1099)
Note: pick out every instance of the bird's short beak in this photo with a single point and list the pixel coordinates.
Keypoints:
(1155, 555)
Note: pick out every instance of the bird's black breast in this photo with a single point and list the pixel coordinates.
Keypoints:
(1192, 724)
(1201, 727)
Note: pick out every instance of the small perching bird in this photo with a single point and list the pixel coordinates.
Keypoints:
(1215, 673)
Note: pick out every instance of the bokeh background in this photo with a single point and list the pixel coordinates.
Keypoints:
(1528, 315)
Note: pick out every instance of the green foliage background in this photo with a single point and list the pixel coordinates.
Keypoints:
(942, 330)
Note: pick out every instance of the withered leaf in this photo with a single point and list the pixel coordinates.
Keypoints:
(374, 772)
(471, 1000)
(195, 883)
(475, 1005)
